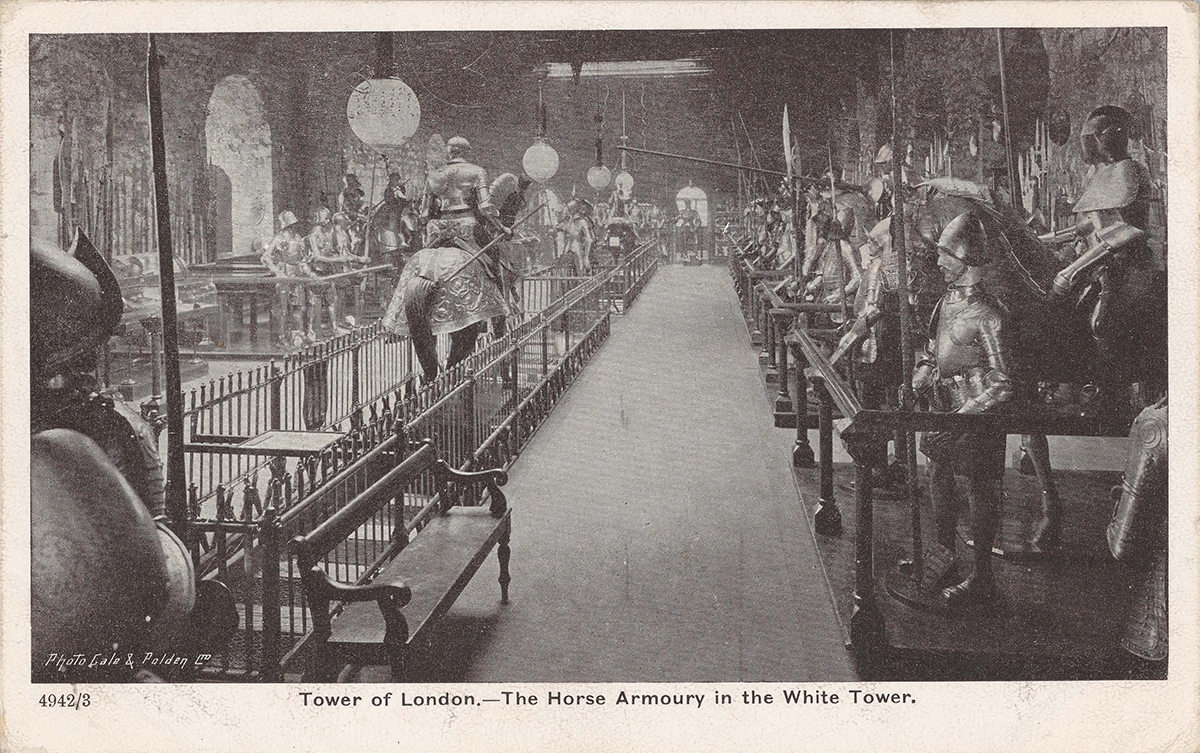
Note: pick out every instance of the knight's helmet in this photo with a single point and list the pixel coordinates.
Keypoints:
(457, 147)
(287, 218)
(1105, 135)
(966, 239)
(74, 305)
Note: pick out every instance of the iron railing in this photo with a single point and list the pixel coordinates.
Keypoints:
(479, 415)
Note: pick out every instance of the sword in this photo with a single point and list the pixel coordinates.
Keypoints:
(494, 241)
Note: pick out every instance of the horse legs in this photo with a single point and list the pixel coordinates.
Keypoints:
(1048, 532)
(416, 312)
(462, 343)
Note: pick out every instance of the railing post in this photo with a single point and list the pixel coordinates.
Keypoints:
(828, 518)
(355, 372)
(275, 395)
(269, 530)
(566, 326)
(866, 621)
(756, 336)
(469, 407)
(545, 344)
(783, 401)
(802, 452)
(514, 376)
(222, 544)
(767, 357)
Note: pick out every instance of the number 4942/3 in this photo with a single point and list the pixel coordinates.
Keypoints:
(66, 700)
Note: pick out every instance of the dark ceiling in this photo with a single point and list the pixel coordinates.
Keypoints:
(754, 72)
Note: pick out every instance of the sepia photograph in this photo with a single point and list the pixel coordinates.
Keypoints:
(565, 365)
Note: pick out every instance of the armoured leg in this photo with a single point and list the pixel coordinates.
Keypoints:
(1047, 535)
(1112, 380)
(979, 589)
(944, 493)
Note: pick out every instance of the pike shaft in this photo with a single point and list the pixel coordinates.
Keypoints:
(176, 487)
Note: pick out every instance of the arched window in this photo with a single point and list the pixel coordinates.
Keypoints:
(239, 145)
(691, 197)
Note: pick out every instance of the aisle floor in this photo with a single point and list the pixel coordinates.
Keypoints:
(657, 531)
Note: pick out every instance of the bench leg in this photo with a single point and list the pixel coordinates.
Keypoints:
(397, 659)
(322, 665)
(395, 645)
(502, 554)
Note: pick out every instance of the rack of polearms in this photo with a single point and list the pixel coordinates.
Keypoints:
(360, 389)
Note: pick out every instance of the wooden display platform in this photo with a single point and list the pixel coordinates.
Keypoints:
(1059, 618)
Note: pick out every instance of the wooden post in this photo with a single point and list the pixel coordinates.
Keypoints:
(772, 321)
(783, 401)
(269, 534)
(866, 621)
(275, 393)
(756, 335)
(828, 518)
(355, 372)
(176, 483)
(802, 452)
(907, 401)
(469, 409)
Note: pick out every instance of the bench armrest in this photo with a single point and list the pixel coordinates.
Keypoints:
(494, 478)
(320, 589)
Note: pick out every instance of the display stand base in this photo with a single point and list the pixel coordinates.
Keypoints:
(1057, 619)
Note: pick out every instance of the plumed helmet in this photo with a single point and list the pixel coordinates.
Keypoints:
(458, 145)
(965, 238)
(503, 187)
(75, 303)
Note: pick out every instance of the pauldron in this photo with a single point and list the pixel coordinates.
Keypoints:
(116, 428)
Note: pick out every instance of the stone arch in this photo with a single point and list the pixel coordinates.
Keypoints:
(238, 138)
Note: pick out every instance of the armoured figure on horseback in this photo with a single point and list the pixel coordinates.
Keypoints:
(447, 287)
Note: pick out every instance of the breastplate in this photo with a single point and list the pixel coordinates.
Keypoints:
(958, 346)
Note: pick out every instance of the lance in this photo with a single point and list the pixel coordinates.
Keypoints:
(1013, 187)
(108, 198)
(906, 345)
(837, 244)
(475, 256)
(789, 158)
(176, 487)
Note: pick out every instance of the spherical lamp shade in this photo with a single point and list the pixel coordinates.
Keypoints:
(383, 112)
(540, 162)
(598, 177)
(624, 183)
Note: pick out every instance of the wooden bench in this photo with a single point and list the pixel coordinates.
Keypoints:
(376, 622)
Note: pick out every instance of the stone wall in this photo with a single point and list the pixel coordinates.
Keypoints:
(304, 82)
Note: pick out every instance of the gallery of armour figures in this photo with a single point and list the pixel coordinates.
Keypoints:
(548, 356)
